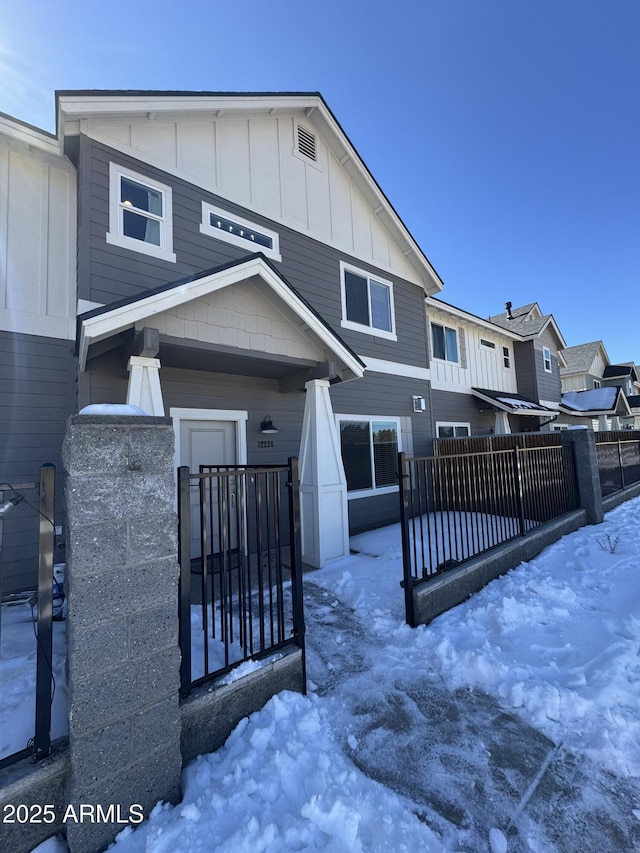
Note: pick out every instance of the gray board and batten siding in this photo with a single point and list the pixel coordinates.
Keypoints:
(38, 385)
(533, 380)
(462, 408)
(107, 273)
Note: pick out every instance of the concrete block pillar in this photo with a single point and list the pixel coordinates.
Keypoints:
(323, 485)
(123, 657)
(590, 493)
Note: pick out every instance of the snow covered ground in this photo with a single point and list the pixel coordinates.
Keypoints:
(511, 723)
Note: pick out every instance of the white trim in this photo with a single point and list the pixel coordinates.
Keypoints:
(32, 136)
(103, 325)
(383, 490)
(115, 235)
(453, 424)
(237, 415)
(379, 365)
(245, 243)
(86, 305)
(360, 327)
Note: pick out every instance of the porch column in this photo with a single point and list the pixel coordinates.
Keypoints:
(144, 385)
(502, 426)
(323, 485)
(603, 423)
(615, 423)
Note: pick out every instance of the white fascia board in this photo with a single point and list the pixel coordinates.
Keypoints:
(393, 368)
(96, 328)
(29, 135)
(460, 314)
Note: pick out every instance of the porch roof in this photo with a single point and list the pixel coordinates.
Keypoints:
(595, 401)
(110, 320)
(513, 404)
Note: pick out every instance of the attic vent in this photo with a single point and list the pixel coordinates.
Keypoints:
(307, 143)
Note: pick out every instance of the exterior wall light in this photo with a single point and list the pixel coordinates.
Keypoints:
(267, 425)
(419, 404)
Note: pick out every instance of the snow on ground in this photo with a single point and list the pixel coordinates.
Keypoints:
(510, 723)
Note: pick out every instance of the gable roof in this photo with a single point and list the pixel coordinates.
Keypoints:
(595, 401)
(110, 319)
(528, 322)
(579, 359)
(72, 106)
(613, 371)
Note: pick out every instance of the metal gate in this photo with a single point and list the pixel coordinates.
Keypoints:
(241, 583)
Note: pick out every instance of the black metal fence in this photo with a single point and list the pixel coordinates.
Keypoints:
(456, 507)
(11, 495)
(240, 567)
(618, 462)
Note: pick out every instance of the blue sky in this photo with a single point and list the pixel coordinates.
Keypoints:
(506, 133)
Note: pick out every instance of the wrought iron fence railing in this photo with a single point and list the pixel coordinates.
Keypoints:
(39, 745)
(618, 463)
(240, 567)
(456, 507)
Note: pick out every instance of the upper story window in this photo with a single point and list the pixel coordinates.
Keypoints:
(367, 303)
(445, 343)
(546, 359)
(488, 344)
(597, 383)
(140, 214)
(506, 357)
(369, 453)
(234, 229)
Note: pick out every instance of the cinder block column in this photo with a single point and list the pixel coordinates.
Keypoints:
(590, 493)
(123, 657)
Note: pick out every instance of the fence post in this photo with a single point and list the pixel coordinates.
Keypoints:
(621, 463)
(517, 480)
(42, 737)
(184, 582)
(404, 528)
(583, 443)
(296, 562)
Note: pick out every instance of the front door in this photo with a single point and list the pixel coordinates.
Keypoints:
(204, 442)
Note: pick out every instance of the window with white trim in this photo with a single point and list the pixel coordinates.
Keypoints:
(506, 357)
(369, 448)
(234, 229)
(597, 383)
(140, 214)
(488, 344)
(367, 303)
(444, 342)
(452, 430)
(546, 359)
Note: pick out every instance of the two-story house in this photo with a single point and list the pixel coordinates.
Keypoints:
(595, 393)
(238, 269)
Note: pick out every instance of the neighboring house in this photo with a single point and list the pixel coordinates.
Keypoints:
(238, 268)
(588, 369)
(474, 376)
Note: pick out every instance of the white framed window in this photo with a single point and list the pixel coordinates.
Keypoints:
(367, 303)
(506, 357)
(226, 226)
(559, 427)
(369, 447)
(446, 429)
(140, 214)
(546, 359)
(487, 344)
(444, 341)
(597, 383)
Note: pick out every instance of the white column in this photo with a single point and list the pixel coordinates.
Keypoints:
(603, 423)
(323, 485)
(144, 385)
(615, 422)
(502, 426)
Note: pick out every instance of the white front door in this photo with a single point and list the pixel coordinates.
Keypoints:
(212, 442)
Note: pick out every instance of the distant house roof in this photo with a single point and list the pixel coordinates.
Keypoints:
(614, 371)
(595, 401)
(579, 359)
(514, 404)
(634, 401)
(527, 321)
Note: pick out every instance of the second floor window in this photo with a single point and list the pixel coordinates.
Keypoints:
(546, 358)
(140, 212)
(367, 303)
(445, 343)
(506, 357)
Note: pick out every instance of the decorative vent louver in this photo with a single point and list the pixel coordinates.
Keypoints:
(307, 143)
